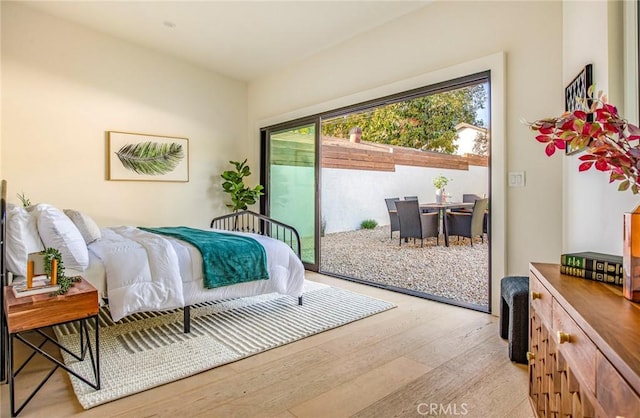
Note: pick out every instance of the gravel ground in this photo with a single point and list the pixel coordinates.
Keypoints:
(458, 272)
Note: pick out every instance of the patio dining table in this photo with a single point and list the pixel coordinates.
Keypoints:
(442, 209)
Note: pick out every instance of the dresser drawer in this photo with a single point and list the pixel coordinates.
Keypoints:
(578, 349)
(613, 392)
(541, 300)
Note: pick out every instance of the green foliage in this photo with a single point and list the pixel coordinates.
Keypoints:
(441, 181)
(49, 255)
(368, 224)
(241, 195)
(24, 200)
(151, 158)
(426, 123)
(63, 281)
(481, 144)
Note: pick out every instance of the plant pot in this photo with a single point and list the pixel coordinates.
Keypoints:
(439, 194)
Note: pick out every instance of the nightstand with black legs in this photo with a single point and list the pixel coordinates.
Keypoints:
(26, 316)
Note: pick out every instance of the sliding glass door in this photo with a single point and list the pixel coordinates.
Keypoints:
(290, 175)
(329, 174)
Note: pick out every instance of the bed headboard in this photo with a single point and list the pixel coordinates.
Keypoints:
(3, 232)
(3, 237)
(3, 278)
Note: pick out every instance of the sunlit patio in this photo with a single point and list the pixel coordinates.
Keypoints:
(458, 272)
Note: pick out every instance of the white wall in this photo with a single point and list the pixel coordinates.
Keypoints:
(593, 208)
(425, 47)
(348, 198)
(466, 140)
(65, 85)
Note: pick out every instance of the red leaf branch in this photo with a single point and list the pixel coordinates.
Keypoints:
(604, 136)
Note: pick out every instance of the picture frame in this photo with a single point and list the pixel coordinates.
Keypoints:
(145, 157)
(575, 92)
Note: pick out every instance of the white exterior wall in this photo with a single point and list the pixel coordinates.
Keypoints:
(351, 196)
(466, 140)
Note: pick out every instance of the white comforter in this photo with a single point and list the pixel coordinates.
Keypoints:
(149, 272)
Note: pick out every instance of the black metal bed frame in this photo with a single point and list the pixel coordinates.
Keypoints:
(255, 223)
(244, 221)
(3, 280)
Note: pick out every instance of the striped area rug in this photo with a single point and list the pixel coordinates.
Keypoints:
(147, 350)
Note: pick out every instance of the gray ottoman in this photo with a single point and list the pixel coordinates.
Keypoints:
(514, 316)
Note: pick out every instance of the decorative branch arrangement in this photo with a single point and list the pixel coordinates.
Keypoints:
(604, 135)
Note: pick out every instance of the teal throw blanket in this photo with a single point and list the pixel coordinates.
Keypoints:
(227, 258)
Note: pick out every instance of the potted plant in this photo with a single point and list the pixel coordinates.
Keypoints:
(241, 195)
(440, 182)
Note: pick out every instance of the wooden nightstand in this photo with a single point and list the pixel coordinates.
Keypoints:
(31, 313)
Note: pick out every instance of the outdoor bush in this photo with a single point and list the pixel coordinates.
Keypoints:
(368, 224)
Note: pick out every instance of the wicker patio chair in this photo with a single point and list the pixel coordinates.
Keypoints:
(393, 214)
(463, 224)
(414, 224)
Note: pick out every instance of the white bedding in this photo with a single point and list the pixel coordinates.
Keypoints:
(149, 272)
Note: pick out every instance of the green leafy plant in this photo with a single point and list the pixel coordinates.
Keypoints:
(441, 181)
(151, 158)
(241, 195)
(24, 200)
(368, 224)
(63, 281)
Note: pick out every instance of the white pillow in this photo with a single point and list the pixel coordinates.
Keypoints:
(57, 231)
(22, 238)
(88, 227)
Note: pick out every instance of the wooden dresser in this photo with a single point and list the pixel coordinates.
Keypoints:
(584, 350)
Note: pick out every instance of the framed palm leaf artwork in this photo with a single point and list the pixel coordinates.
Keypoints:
(143, 157)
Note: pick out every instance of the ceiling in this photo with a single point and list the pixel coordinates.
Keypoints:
(244, 40)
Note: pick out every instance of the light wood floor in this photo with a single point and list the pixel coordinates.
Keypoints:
(422, 358)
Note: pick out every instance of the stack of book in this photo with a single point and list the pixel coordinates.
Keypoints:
(593, 266)
(41, 284)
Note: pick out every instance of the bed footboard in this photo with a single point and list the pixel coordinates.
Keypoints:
(255, 223)
(248, 221)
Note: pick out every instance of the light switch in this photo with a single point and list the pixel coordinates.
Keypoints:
(516, 178)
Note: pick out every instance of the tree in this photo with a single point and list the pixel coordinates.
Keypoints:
(481, 144)
(426, 122)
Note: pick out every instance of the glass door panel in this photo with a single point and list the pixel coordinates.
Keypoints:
(291, 182)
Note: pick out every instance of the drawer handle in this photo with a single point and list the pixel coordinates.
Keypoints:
(536, 295)
(531, 356)
(563, 337)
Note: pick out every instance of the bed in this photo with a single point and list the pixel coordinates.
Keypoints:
(137, 270)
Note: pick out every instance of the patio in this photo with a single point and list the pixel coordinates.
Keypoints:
(458, 272)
